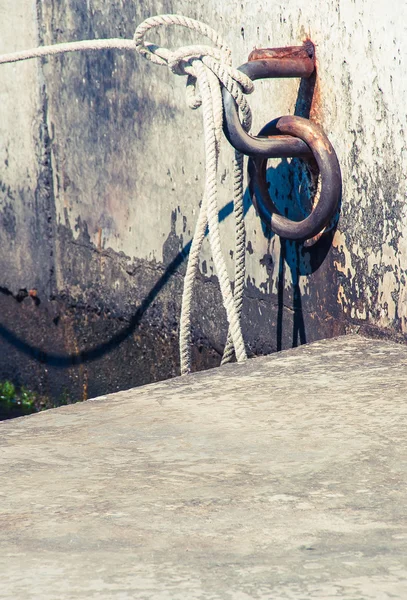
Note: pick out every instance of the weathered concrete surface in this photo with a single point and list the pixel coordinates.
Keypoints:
(282, 478)
(102, 171)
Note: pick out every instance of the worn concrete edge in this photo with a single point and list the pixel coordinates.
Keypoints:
(233, 369)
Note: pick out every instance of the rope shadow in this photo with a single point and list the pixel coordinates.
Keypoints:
(293, 188)
(299, 259)
(64, 361)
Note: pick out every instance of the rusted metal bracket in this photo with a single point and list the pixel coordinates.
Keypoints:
(269, 63)
(285, 137)
(292, 61)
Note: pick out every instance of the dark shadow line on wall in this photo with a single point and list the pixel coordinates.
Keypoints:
(299, 334)
(65, 361)
(69, 360)
(300, 260)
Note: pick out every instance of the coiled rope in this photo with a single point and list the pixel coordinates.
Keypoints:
(207, 68)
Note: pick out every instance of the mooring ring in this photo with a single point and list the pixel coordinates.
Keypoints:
(330, 173)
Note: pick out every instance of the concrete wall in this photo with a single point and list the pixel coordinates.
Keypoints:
(101, 170)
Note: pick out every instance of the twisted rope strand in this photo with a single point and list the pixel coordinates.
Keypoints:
(189, 279)
(42, 51)
(240, 250)
(212, 208)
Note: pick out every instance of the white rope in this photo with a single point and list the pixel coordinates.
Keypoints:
(207, 68)
(68, 47)
(240, 250)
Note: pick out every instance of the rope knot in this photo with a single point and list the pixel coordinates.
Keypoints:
(180, 61)
(217, 59)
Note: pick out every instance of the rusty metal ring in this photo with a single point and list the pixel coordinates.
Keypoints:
(330, 173)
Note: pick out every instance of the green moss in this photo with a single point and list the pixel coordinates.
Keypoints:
(16, 402)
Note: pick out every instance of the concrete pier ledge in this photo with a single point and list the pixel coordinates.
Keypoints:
(283, 478)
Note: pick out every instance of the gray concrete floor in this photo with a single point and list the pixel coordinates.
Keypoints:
(284, 478)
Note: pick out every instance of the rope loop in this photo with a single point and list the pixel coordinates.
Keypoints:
(166, 20)
(209, 68)
(217, 58)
